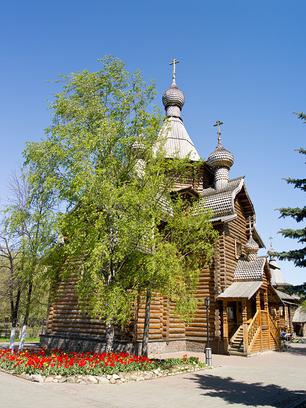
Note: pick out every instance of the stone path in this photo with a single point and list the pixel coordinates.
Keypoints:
(268, 380)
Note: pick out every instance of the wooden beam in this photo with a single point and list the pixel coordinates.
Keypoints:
(266, 306)
(225, 321)
(245, 326)
(258, 308)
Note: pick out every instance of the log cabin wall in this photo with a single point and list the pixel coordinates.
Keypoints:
(71, 329)
(235, 237)
(166, 327)
(167, 331)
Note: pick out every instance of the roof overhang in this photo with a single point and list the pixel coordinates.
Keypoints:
(240, 290)
(286, 298)
(226, 218)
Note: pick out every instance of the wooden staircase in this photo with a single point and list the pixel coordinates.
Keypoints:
(236, 343)
(259, 334)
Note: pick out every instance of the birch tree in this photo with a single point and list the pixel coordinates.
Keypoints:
(112, 189)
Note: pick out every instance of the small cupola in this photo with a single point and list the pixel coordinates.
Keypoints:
(173, 98)
(221, 160)
(251, 247)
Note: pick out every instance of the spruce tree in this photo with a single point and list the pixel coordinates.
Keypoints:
(298, 214)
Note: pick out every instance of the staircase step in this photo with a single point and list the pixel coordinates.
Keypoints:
(236, 353)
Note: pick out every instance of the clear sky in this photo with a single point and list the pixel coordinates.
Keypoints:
(242, 62)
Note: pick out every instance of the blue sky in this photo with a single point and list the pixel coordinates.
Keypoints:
(241, 61)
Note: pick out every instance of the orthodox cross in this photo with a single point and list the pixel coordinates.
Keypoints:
(173, 63)
(271, 244)
(250, 226)
(218, 124)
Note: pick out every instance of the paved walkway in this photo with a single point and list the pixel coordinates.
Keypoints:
(268, 380)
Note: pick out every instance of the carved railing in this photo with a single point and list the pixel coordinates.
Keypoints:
(274, 330)
(253, 326)
(253, 330)
(238, 332)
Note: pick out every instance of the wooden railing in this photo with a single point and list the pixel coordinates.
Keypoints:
(237, 333)
(253, 328)
(274, 330)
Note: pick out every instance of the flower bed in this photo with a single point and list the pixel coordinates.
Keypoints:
(78, 367)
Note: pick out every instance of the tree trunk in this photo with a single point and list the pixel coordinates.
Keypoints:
(135, 342)
(109, 337)
(146, 326)
(26, 316)
(13, 330)
(12, 338)
(14, 318)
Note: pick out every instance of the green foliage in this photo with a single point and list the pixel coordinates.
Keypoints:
(298, 214)
(27, 233)
(122, 233)
(299, 290)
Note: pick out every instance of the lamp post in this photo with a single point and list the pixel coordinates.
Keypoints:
(208, 354)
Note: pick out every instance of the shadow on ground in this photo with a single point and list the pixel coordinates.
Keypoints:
(296, 350)
(248, 394)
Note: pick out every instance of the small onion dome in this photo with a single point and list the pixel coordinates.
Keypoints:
(251, 247)
(173, 97)
(220, 157)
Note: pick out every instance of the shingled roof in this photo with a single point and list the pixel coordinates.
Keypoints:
(221, 202)
(250, 270)
(175, 140)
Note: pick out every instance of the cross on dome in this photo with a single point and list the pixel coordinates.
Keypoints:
(221, 160)
(173, 63)
(173, 98)
(218, 124)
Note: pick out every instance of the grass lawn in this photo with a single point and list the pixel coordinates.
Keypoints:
(28, 340)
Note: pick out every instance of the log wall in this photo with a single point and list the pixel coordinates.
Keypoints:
(165, 326)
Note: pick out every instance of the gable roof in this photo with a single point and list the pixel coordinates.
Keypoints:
(250, 270)
(221, 202)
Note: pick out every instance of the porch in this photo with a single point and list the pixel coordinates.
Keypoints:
(250, 318)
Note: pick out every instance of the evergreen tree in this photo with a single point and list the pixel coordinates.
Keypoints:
(298, 214)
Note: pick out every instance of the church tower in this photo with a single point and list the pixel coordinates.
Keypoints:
(173, 136)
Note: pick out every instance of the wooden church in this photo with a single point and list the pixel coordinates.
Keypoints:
(239, 310)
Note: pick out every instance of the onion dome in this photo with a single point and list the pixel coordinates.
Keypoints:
(220, 157)
(251, 247)
(221, 160)
(173, 97)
